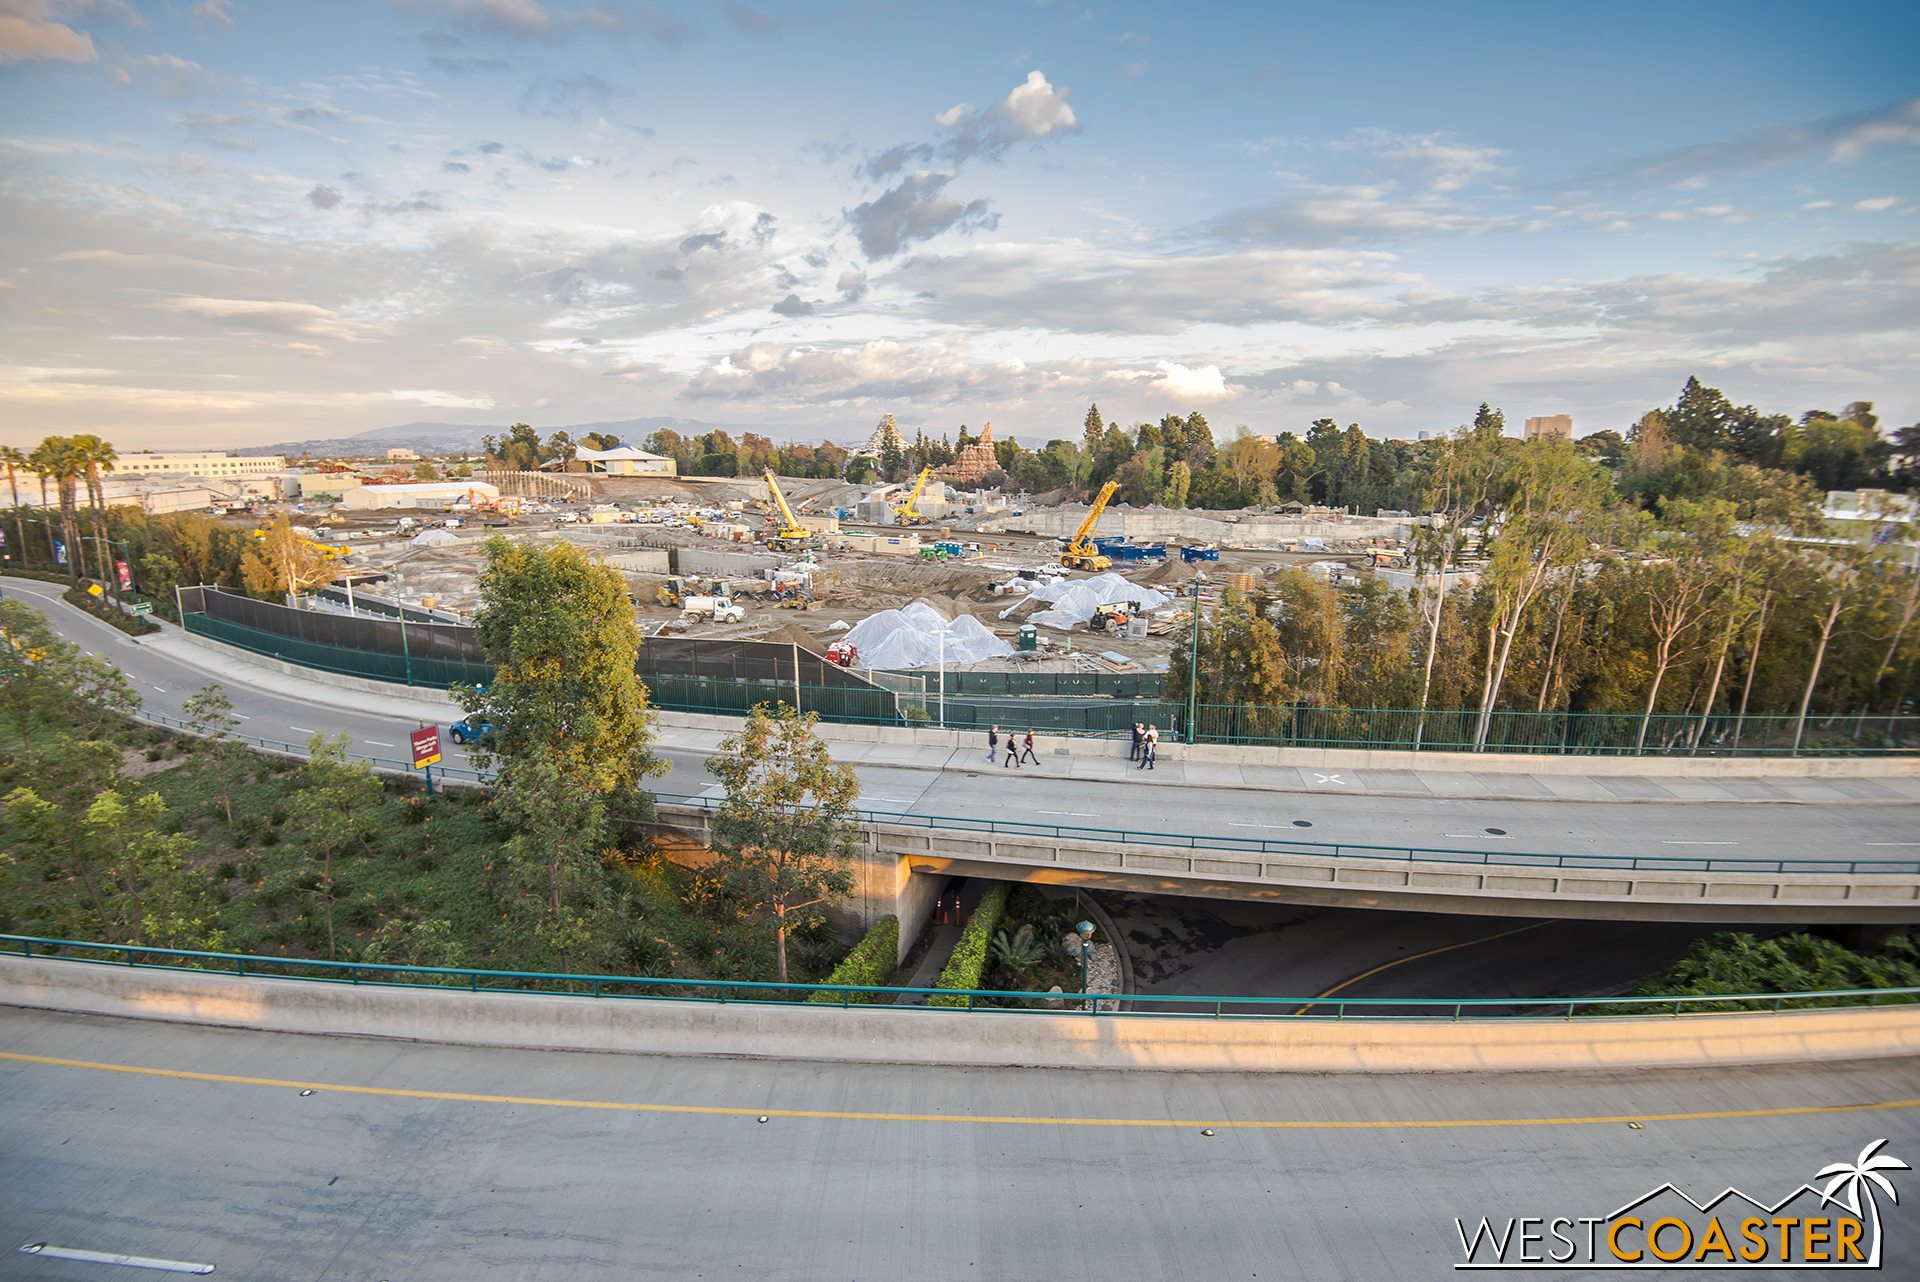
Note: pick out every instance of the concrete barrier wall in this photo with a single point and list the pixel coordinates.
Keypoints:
(907, 1035)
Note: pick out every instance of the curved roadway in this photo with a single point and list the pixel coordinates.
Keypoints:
(573, 1166)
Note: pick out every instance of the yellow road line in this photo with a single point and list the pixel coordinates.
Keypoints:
(951, 1117)
(1431, 952)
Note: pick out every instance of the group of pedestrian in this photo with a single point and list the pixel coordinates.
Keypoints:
(1015, 753)
(1146, 742)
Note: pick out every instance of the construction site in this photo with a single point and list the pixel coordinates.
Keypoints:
(898, 578)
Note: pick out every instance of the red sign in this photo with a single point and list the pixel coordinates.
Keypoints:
(426, 746)
(126, 579)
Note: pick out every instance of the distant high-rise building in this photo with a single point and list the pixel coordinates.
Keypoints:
(1426, 436)
(1551, 427)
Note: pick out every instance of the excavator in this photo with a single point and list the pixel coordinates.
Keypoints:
(1082, 554)
(907, 513)
(792, 536)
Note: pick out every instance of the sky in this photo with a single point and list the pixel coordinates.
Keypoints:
(229, 224)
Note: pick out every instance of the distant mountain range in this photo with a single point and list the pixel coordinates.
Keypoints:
(442, 437)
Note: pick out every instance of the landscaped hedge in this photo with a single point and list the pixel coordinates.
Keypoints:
(969, 960)
(870, 965)
(131, 624)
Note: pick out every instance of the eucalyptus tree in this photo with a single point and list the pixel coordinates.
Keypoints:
(1455, 496)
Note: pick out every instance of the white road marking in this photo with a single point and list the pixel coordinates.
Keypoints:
(161, 689)
(1330, 779)
(1890, 843)
(376, 743)
(303, 730)
(1234, 825)
(1072, 814)
(898, 801)
(1480, 836)
(107, 1257)
(1699, 843)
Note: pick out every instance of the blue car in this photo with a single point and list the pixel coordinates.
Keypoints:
(470, 731)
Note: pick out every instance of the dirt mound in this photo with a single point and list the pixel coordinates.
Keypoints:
(791, 634)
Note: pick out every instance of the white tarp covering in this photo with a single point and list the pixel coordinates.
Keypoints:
(911, 638)
(433, 538)
(1074, 602)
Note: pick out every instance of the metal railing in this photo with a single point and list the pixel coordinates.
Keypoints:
(282, 748)
(995, 1001)
(1348, 850)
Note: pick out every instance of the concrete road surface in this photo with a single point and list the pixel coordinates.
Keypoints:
(966, 1174)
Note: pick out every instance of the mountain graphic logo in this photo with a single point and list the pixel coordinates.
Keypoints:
(1825, 1227)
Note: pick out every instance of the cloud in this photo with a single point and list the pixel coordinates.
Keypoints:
(1836, 139)
(1263, 76)
(1131, 70)
(1875, 205)
(747, 20)
(555, 96)
(714, 240)
(793, 305)
(1187, 386)
(484, 346)
(455, 167)
(1032, 112)
(444, 400)
(122, 261)
(462, 66)
(305, 320)
(323, 197)
(217, 12)
(852, 285)
(913, 211)
(28, 35)
(551, 24)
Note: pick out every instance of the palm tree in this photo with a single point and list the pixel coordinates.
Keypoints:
(15, 462)
(1860, 1176)
(97, 456)
(41, 461)
(57, 459)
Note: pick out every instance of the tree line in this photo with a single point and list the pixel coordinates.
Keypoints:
(1546, 581)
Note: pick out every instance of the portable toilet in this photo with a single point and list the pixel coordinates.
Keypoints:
(1029, 637)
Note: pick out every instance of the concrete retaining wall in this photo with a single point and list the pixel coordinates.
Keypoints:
(1148, 526)
(910, 1035)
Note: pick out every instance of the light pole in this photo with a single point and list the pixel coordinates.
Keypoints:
(1086, 943)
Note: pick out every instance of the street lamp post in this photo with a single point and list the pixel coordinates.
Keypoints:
(1085, 929)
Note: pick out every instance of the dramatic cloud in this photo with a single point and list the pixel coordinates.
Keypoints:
(27, 34)
(304, 319)
(1179, 385)
(1033, 111)
(323, 197)
(915, 210)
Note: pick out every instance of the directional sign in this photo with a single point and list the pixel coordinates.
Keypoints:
(426, 746)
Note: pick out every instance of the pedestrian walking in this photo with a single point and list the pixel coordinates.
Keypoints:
(993, 743)
(1147, 746)
(1013, 751)
(1133, 753)
(1029, 754)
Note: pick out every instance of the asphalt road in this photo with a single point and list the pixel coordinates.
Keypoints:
(1679, 832)
(1215, 947)
(1098, 1175)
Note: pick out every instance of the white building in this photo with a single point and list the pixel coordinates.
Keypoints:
(432, 494)
(624, 460)
(212, 467)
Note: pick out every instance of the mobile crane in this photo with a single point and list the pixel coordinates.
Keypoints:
(907, 513)
(1082, 554)
(792, 535)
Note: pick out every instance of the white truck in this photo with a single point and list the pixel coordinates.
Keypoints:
(720, 607)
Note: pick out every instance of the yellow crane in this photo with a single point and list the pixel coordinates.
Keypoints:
(792, 534)
(1080, 554)
(907, 513)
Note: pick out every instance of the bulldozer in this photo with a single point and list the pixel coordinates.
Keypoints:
(1082, 553)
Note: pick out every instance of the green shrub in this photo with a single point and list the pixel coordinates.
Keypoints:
(1737, 964)
(969, 961)
(869, 965)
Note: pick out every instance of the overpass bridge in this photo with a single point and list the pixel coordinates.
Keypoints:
(906, 858)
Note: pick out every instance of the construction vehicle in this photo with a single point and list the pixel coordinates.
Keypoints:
(792, 536)
(672, 592)
(1113, 616)
(718, 605)
(907, 513)
(1082, 553)
(843, 654)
